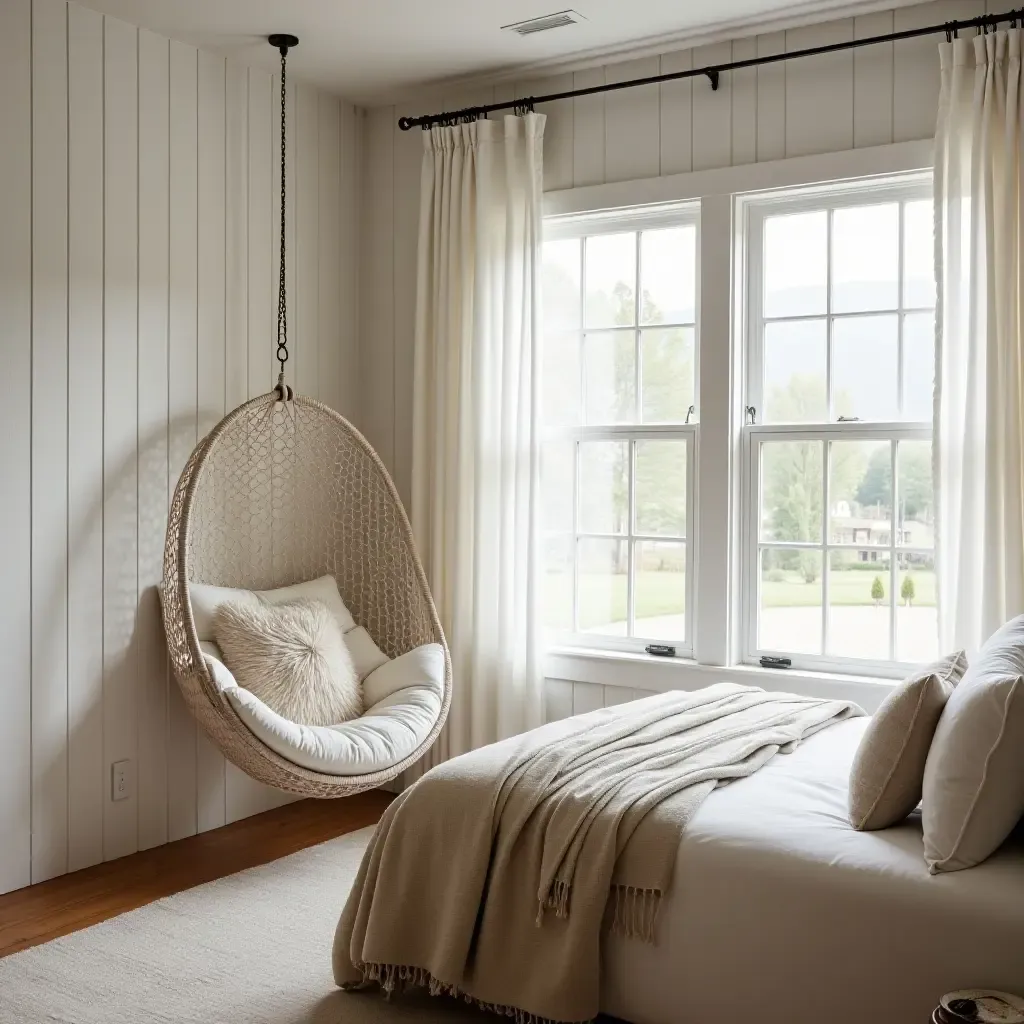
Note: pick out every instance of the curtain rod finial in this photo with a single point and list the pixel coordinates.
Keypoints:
(283, 42)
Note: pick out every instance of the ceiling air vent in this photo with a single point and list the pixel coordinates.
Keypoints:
(542, 24)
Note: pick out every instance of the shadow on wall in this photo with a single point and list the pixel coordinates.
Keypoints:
(119, 687)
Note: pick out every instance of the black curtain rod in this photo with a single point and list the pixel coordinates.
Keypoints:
(526, 103)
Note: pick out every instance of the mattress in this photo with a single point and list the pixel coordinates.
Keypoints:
(781, 913)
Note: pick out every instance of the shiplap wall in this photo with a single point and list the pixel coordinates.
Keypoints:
(138, 206)
(831, 103)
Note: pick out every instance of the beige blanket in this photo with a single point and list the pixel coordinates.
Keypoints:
(492, 876)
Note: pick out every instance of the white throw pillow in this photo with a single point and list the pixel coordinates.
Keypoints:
(293, 657)
(974, 775)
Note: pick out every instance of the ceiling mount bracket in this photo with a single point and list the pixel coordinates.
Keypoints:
(713, 79)
(283, 42)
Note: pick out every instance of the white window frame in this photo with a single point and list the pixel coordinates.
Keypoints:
(604, 223)
(754, 210)
(718, 552)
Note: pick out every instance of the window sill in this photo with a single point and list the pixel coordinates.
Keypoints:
(648, 672)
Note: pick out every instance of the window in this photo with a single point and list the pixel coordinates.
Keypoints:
(620, 364)
(839, 564)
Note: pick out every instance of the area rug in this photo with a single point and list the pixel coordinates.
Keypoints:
(252, 948)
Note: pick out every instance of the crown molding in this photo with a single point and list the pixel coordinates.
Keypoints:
(811, 12)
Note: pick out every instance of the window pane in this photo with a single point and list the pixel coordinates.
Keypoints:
(558, 578)
(659, 594)
(918, 366)
(610, 377)
(795, 264)
(864, 358)
(915, 495)
(560, 283)
(917, 625)
(557, 472)
(666, 370)
(604, 565)
(918, 254)
(860, 496)
(561, 380)
(795, 355)
(611, 280)
(661, 488)
(859, 608)
(668, 273)
(604, 486)
(865, 258)
(789, 616)
(791, 491)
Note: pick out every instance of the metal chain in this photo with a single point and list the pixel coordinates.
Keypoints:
(282, 296)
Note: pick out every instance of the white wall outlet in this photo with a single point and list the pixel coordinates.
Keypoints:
(122, 780)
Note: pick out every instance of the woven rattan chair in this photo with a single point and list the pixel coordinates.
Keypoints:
(281, 492)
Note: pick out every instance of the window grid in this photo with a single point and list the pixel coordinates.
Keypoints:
(758, 435)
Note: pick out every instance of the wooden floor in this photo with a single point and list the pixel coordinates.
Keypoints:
(66, 904)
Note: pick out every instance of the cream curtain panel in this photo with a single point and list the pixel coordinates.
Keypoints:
(476, 444)
(979, 388)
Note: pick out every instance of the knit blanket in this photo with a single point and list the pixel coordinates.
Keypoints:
(493, 876)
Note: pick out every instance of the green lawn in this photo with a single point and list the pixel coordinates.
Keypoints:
(603, 598)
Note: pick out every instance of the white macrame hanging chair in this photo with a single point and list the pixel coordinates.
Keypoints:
(285, 490)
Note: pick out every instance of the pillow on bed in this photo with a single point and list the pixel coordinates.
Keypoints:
(888, 770)
(292, 656)
(974, 778)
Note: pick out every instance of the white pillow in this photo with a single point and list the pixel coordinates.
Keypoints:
(292, 656)
(974, 775)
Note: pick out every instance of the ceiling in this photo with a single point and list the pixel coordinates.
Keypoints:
(375, 51)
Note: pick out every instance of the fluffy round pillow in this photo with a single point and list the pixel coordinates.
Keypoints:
(293, 657)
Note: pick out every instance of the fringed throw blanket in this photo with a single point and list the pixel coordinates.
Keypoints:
(491, 878)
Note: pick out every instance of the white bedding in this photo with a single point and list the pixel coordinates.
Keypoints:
(781, 913)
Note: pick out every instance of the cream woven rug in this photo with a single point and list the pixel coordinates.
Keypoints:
(252, 948)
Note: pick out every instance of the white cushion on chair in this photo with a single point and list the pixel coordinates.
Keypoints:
(405, 695)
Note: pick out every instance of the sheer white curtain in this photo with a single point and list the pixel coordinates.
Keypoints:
(979, 388)
(476, 444)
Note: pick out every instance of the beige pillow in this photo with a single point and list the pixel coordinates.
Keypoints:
(292, 656)
(888, 771)
(974, 778)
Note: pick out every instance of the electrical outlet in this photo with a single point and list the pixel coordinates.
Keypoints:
(122, 780)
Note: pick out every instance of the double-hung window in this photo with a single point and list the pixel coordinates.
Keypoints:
(840, 318)
(619, 357)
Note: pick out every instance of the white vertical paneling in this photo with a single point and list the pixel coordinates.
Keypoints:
(182, 384)
(87, 791)
(744, 104)
(632, 144)
(872, 82)
(771, 99)
(712, 110)
(49, 439)
(618, 695)
(306, 255)
(154, 216)
(408, 158)
(262, 301)
(819, 91)
(676, 127)
(916, 66)
(557, 700)
(236, 235)
(346, 163)
(586, 697)
(120, 423)
(558, 129)
(211, 314)
(330, 287)
(588, 147)
(15, 459)
(378, 239)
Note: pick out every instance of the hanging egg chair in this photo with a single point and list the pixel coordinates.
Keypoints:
(285, 492)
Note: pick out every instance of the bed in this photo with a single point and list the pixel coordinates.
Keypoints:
(781, 913)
